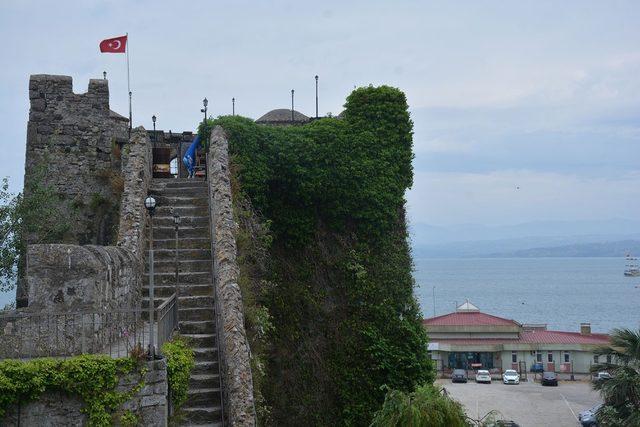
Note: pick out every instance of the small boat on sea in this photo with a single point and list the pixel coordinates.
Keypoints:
(633, 269)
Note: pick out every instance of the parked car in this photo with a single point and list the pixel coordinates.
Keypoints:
(549, 378)
(602, 376)
(459, 376)
(589, 417)
(483, 376)
(537, 367)
(510, 376)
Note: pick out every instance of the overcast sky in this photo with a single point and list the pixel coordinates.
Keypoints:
(544, 96)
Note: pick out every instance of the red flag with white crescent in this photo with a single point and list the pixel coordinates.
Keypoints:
(114, 45)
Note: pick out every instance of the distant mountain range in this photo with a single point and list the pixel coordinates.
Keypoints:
(534, 239)
(603, 249)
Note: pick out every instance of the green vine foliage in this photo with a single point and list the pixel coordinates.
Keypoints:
(91, 377)
(180, 363)
(337, 291)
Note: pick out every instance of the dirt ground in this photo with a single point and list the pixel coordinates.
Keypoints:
(528, 404)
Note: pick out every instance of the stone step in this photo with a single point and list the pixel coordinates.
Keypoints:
(196, 327)
(168, 211)
(180, 201)
(205, 367)
(196, 301)
(200, 191)
(161, 279)
(183, 290)
(201, 340)
(204, 381)
(184, 266)
(185, 221)
(178, 183)
(183, 254)
(215, 424)
(200, 415)
(196, 313)
(190, 243)
(206, 354)
(202, 397)
(160, 233)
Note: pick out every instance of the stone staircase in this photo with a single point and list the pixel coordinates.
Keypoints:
(189, 199)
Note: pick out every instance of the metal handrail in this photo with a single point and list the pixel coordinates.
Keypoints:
(29, 334)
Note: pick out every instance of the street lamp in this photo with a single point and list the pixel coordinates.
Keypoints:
(150, 204)
(292, 91)
(316, 96)
(205, 102)
(233, 106)
(104, 75)
(153, 119)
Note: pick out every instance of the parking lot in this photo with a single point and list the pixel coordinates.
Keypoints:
(528, 404)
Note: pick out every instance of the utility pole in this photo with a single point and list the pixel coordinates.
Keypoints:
(292, 91)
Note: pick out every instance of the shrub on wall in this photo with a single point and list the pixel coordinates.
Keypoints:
(340, 303)
(180, 363)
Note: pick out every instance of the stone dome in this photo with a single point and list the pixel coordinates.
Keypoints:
(282, 116)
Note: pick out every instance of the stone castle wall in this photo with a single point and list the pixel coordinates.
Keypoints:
(237, 380)
(75, 140)
(53, 408)
(76, 137)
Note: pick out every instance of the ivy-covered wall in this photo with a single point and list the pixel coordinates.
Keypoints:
(90, 390)
(325, 263)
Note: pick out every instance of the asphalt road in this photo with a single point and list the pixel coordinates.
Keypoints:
(528, 404)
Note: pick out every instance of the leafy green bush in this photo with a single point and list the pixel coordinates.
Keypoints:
(339, 300)
(180, 363)
(426, 407)
(92, 377)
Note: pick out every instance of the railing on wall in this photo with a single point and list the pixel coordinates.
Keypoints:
(116, 333)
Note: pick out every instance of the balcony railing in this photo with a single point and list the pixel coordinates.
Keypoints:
(26, 335)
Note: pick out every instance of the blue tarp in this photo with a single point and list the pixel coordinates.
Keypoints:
(189, 158)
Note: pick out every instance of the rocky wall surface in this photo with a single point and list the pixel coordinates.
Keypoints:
(68, 278)
(237, 380)
(55, 408)
(73, 145)
(82, 299)
(136, 173)
(77, 138)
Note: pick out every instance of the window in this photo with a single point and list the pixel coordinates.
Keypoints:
(539, 356)
(567, 357)
(550, 356)
(514, 357)
(596, 359)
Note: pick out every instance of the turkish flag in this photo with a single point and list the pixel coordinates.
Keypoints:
(114, 45)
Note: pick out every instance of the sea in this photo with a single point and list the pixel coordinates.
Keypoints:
(561, 292)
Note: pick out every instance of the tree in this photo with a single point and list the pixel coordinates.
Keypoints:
(621, 393)
(38, 217)
(425, 407)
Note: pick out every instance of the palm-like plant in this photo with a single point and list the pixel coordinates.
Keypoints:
(621, 393)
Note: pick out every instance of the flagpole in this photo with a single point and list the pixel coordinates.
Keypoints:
(129, 84)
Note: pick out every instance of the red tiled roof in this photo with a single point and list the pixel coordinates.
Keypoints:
(560, 337)
(474, 341)
(537, 337)
(468, 319)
